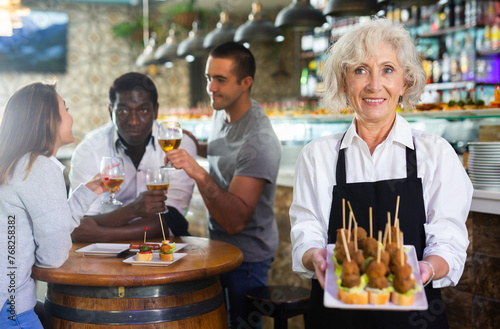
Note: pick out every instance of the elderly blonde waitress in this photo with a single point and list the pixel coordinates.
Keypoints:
(373, 68)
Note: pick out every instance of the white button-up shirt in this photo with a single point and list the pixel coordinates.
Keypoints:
(104, 141)
(447, 190)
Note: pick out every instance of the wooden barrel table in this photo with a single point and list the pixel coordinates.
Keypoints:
(91, 292)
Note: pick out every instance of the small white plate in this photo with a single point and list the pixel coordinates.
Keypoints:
(155, 261)
(103, 249)
(178, 246)
(331, 292)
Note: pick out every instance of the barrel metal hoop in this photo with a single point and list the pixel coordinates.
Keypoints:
(134, 317)
(134, 292)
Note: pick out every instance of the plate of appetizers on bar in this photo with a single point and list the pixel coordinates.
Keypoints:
(136, 246)
(331, 296)
(150, 255)
(155, 261)
(113, 249)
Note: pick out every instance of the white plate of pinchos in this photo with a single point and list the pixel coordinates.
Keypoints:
(155, 261)
(331, 299)
(136, 246)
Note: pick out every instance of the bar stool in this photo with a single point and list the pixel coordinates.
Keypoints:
(278, 302)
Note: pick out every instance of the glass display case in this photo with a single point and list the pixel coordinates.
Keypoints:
(459, 127)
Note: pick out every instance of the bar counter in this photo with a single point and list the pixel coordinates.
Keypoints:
(103, 291)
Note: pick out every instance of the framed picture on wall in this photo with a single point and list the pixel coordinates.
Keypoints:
(39, 46)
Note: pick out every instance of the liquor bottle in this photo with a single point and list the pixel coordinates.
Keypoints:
(303, 82)
(445, 68)
(459, 12)
(449, 15)
(312, 79)
(436, 71)
(467, 59)
(489, 22)
(397, 14)
(495, 33)
(471, 14)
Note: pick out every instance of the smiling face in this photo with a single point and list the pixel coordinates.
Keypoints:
(133, 114)
(223, 87)
(375, 85)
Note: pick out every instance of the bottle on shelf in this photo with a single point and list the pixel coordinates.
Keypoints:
(445, 68)
(459, 12)
(312, 79)
(449, 15)
(304, 91)
(495, 33)
(467, 59)
(488, 23)
(436, 71)
(455, 73)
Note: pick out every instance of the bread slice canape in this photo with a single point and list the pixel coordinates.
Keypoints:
(379, 296)
(405, 286)
(166, 251)
(144, 255)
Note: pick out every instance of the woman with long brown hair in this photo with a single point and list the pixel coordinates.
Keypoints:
(36, 216)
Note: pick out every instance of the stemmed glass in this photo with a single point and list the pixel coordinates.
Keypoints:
(158, 179)
(113, 173)
(169, 137)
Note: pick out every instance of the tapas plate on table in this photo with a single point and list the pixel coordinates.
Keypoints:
(331, 288)
(103, 249)
(178, 246)
(155, 261)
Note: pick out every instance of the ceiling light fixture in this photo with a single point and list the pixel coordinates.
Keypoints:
(148, 55)
(168, 51)
(258, 28)
(350, 8)
(192, 46)
(300, 15)
(224, 32)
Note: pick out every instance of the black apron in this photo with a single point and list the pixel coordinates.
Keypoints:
(381, 196)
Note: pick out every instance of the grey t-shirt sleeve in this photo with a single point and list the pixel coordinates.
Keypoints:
(259, 157)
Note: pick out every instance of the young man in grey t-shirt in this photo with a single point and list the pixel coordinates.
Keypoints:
(244, 154)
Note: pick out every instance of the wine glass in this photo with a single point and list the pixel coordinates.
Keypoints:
(158, 179)
(169, 137)
(113, 173)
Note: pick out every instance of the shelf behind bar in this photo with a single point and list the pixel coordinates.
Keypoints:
(440, 33)
(450, 85)
(411, 116)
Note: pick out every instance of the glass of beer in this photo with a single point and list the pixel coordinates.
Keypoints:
(169, 137)
(158, 179)
(113, 173)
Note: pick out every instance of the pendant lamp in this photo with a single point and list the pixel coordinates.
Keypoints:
(224, 32)
(167, 52)
(402, 3)
(148, 55)
(346, 8)
(300, 15)
(192, 46)
(258, 28)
